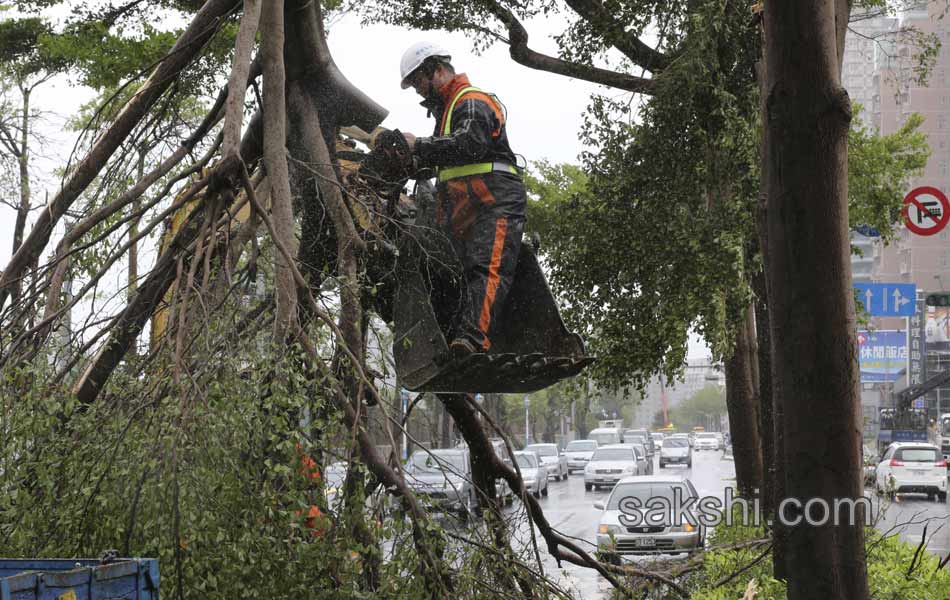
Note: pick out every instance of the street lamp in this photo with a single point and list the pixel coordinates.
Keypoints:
(527, 405)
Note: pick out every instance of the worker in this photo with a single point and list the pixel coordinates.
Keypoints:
(480, 195)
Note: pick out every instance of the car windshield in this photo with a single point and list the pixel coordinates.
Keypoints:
(526, 461)
(675, 443)
(613, 454)
(917, 455)
(543, 449)
(646, 491)
(581, 446)
(432, 462)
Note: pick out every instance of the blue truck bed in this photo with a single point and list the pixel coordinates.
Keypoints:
(78, 579)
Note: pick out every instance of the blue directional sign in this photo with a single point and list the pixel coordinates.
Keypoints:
(867, 230)
(888, 299)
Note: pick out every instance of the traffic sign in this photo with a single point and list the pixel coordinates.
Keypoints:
(868, 231)
(888, 299)
(926, 210)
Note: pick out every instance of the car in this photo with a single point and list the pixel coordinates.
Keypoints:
(502, 489)
(644, 462)
(578, 453)
(645, 435)
(664, 536)
(534, 473)
(676, 450)
(552, 459)
(706, 441)
(657, 438)
(909, 467)
(609, 465)
(444, 477)
(639, 436)
(606, 435)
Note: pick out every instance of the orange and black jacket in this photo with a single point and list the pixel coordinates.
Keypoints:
(478, 130)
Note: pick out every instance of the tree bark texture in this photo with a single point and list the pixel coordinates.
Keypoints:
(275, 158)
(812, 313)
(188, 46)
(23, 161)
(742, 403)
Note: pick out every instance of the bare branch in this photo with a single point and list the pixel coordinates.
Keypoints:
(520, 53)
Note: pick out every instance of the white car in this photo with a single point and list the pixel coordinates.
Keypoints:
(615, 538)
(552, 459)
(533, 472)
(676, 450)
(609, 465)
(909, 467)
(578, 454)
(706, 441)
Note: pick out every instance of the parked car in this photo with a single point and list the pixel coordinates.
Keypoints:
(676, 450)
(706, 441)
(578, 454)
(553, 459)
(502, 490)
(606, 435)
(616, 539)
(909, 467)
(534, 473)
(609, 465)
(639, 436)
(444, 477)
(644, 462)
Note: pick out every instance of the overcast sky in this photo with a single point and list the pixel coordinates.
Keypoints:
(545, 111)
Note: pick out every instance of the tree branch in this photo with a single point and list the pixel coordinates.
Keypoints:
(521, 54)
(604, 23)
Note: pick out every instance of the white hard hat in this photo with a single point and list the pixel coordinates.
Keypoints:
(416, 55)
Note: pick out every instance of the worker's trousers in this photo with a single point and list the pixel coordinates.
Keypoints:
(484, 217)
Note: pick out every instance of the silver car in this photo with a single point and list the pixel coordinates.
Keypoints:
(552, 459)
(609, 465)
(579, 453)
(644, 460)
(534, 473)
(676, 450)
(444, 477)
(618, 537)
(706, 441)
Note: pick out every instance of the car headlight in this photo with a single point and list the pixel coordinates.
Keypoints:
(589, 469)
(686, 527)
(608, 529)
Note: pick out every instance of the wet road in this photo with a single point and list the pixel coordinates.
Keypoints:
(570, 509)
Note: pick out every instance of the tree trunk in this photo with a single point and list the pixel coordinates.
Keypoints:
(23, 160)
(811, 305)
(742, 402)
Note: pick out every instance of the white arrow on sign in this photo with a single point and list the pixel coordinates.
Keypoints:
(899, 300)
(867, 298)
